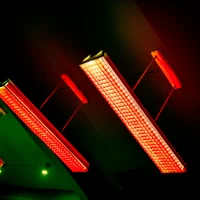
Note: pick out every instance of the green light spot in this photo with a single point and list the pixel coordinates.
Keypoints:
(44, 172)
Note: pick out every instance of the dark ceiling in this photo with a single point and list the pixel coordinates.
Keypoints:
(54, 40)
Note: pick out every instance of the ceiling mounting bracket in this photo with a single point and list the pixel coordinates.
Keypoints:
(52, 93)
(143, 74)
(72, 116)
(77, 92)
(168, 72)
(65, 78)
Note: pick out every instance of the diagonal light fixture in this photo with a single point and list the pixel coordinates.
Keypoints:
(112, 86)
(41, 127)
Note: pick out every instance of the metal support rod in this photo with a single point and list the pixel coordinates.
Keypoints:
(77, 109)
(141, 77)
(52, 93)
(164, 104)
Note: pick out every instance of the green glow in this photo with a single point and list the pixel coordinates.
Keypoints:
(0, 171)
(44, 172)
(12, 148)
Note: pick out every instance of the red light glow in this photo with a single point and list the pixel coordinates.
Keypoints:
(41, 127)
(167, 70)
(74, 88)
(1, 163)
(125, 104)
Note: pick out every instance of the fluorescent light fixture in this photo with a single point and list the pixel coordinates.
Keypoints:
(126, 105)
(41, 127)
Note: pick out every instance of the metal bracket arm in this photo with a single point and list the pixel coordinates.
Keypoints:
(144, 73)
(52, 93)
(69, 120)
(164, 104)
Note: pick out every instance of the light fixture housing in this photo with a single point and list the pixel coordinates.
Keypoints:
(42, 128)
(112, 86)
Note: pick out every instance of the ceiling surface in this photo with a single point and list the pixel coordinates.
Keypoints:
(55, 40)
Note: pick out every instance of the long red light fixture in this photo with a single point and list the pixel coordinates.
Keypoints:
(41, 127)
(126, 105)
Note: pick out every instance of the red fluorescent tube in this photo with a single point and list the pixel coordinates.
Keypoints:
(123, 101)
(167, 70)
(74, 88)
(41, 127)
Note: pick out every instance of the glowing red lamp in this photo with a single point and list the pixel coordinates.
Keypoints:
(74, 88)
(126, 105)
(41, 127)
(1, 163)
(167, 70)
